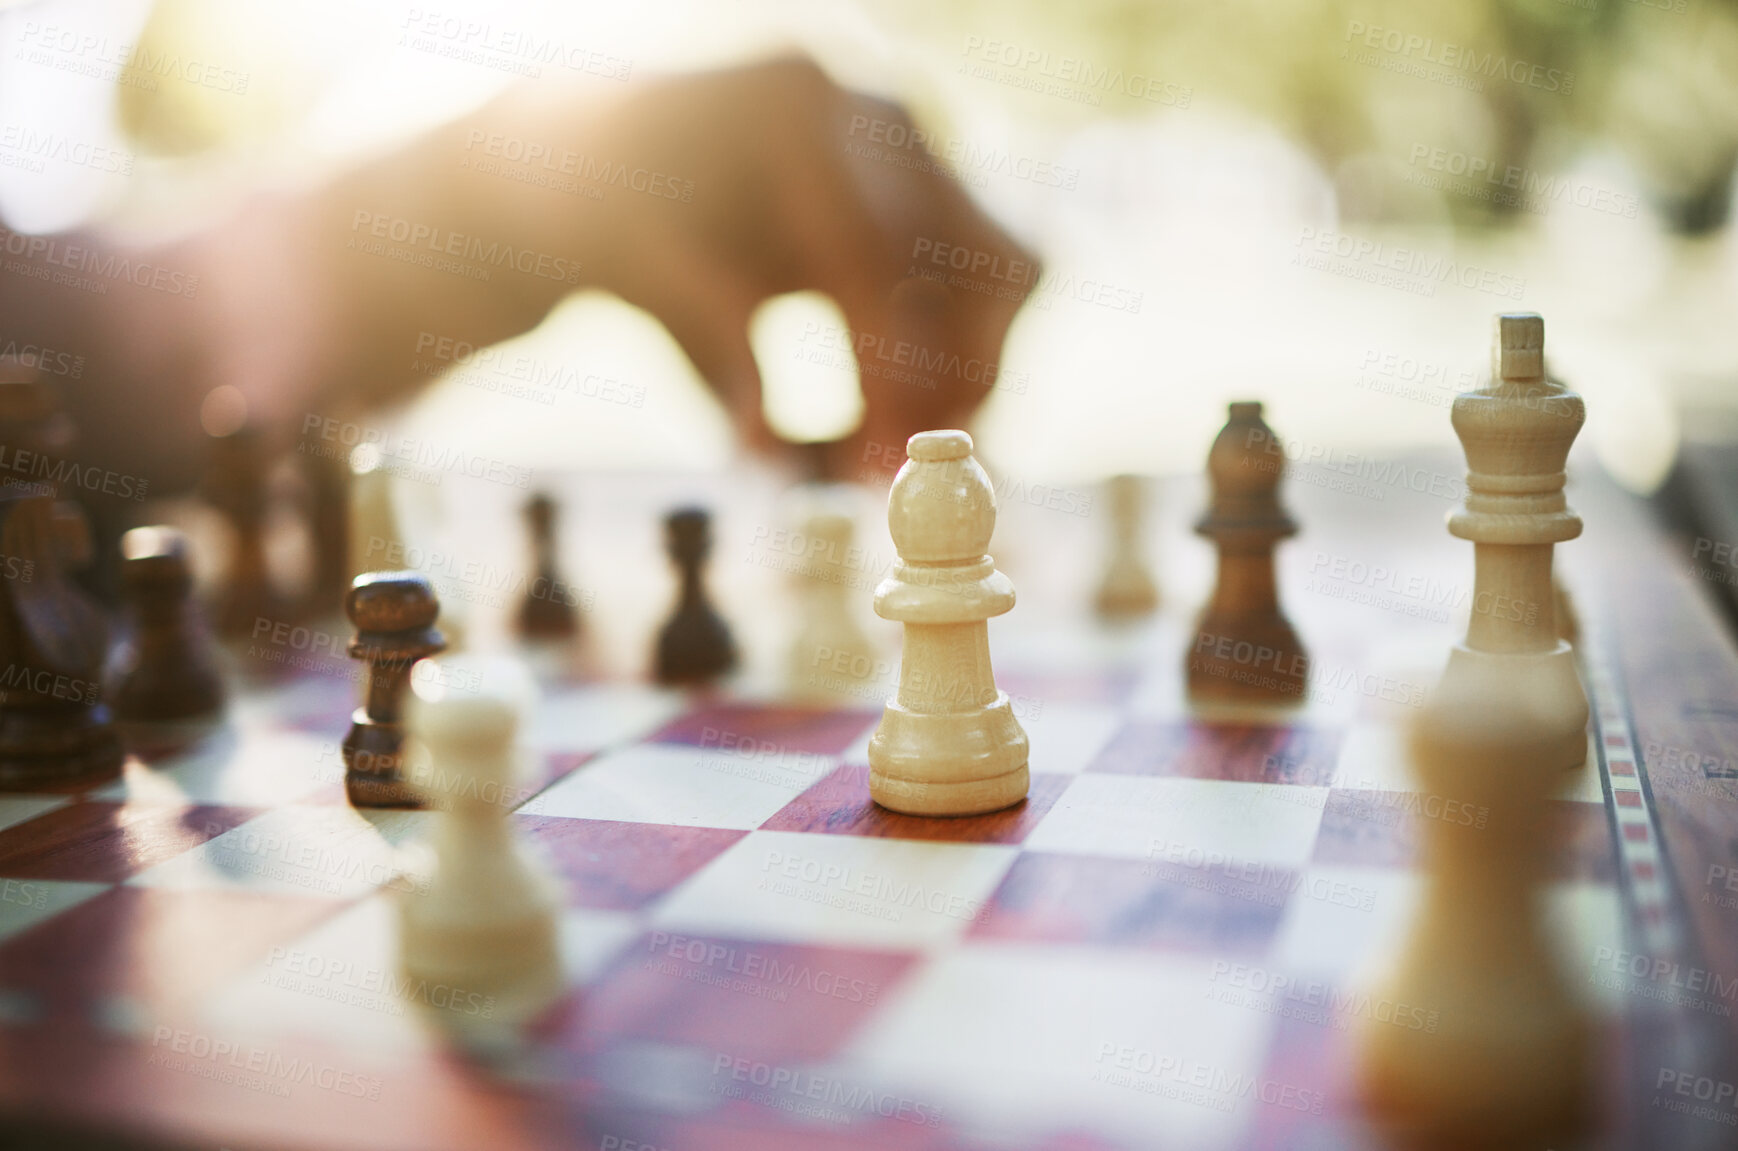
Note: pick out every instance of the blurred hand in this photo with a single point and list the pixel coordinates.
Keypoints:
(782, 201)
(772, 195)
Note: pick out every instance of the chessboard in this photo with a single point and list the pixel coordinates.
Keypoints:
(1172, 943)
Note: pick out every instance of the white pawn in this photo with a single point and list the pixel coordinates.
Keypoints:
(485, 922)
(1496, 1049)
(1127, 590)
(948, 743)
(832, 658)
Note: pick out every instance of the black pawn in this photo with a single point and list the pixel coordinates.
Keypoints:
(545, 612)
(394, 614)
(167, 668)
(236, 484)
(54, 728)
(695, 645)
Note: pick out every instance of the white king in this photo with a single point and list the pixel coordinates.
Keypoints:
(1517, 434)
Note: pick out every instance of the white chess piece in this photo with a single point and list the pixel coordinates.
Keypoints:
(832, 659)
(1517, 434)
(376, 540)
(484, 924)
(948, 743)
(1487, 1044)
(1127, 589)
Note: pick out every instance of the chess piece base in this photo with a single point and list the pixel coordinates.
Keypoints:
(543, 618)
(41, 747)
(1552, 689)
(1520, 1074)
(949, 763)
(1487, 1046)
(153, 695)
(974, 797)
(1125, 594)
(500, 973)
(693, 648)
(373, 764)
(1247, 660)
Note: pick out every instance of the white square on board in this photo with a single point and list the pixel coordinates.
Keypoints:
(589, 719)
(333, 852)
(1065, 737)
(843, 890)
(681, 785)
(1128, 1039)
(1373, 757)
(1188, 821)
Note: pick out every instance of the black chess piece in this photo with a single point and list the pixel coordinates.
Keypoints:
(695, 645)
(1245, 650)
(394, 613)
(235, 483)
(328, 512)
(38, 436)
(54, 728)
(546, 612)
(167, 668)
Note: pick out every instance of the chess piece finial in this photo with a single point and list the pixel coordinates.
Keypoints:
(1517, 433)
(54, 727)
(167, 669)
(1245, 651)
(694, 646)
(1127, 590)
(485, 921)
(1518, 347)
(394, 613)
(544, 612)
(948, 742)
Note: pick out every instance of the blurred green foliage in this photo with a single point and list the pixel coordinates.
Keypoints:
(1524, 83)
(1376, 90)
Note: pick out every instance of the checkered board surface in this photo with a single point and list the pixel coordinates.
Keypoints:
(1169, 944)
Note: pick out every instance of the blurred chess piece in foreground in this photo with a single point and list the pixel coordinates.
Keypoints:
(482, 916)
(1494, 1049)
